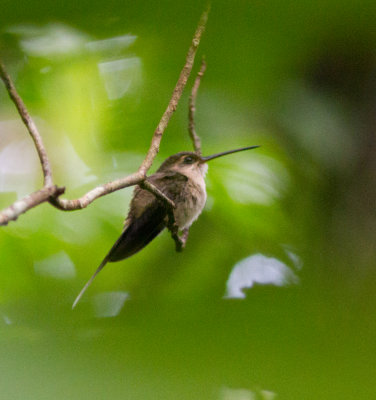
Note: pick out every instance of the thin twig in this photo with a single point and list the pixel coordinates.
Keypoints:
(93, 194)
(186, 71)
(153, 189)
(192, 108)
(85, 200)
(170, 206)
(34, 199)
(29, 123)
(181, 240)
(19, 207)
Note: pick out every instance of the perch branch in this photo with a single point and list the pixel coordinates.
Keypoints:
(140, 175)
(93, 194)
(50, 192)
(192, 108)
(170, 205)
(21, 206)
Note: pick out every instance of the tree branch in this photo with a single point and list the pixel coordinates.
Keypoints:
(170, 206)
(181, 240)
(21, 206)
(192, 108)
(29, 123)
(50, 192)
(186, 71)
(93, 194)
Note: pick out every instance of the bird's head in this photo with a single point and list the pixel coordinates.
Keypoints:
(188, 162)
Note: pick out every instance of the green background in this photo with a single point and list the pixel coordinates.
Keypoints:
(298, 78)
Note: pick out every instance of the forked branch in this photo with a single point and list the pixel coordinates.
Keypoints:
(50, 192)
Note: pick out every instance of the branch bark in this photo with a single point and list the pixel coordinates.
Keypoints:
(170, 206)
(50, 192)
(19, 207)
(29, 123)
(181, 240)
(186, 71)
(192, 109)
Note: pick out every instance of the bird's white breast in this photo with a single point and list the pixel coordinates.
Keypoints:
(189, 210)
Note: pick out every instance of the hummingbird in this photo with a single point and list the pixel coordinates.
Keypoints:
(181, 177)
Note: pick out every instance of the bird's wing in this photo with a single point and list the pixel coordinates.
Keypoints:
(146, 219)
(147, 215)
(139, 232)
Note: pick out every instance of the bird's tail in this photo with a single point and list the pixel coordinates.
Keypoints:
(103, 263)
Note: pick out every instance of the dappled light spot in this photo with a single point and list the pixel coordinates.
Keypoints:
(58, 266)
(53, 39)
(258, 269)
(255, 180)
(12, 157)
(77, 230)
(46, 70)
(319, 124)
(227, 393)
(7, 320)
(19, 164)
(109, 304)
(295, 259)
(121, 76)
(112, 44)
(76, 172)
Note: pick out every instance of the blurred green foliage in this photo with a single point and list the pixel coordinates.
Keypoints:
(297, 78)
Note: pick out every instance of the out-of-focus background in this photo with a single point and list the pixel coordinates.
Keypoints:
(274, 296)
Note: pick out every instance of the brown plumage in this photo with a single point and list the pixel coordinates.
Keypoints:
(181, 179)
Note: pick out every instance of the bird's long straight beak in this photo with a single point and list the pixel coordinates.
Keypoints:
(224, 153)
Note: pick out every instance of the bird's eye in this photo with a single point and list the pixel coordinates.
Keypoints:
(189, 160)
